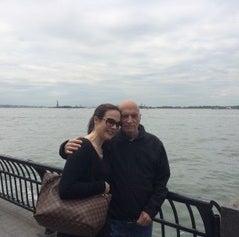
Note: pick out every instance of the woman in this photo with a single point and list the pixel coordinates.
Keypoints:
(86, 172)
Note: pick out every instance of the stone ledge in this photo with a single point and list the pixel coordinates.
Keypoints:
(230, 220)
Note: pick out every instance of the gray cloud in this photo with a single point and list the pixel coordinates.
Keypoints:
(84, 52)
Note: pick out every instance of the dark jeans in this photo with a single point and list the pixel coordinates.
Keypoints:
(129, 229)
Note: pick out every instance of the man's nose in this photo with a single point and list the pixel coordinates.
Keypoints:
(129, 118)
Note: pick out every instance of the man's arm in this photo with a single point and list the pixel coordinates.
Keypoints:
(162, 175)
(70, 146)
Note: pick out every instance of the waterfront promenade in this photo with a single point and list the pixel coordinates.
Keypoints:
(18, 222)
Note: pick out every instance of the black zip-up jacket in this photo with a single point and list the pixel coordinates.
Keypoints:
(140, 172)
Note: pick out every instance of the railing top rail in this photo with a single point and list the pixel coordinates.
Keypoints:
(194, 201)
(30, 163)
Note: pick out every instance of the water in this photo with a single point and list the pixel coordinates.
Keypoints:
(202, 145)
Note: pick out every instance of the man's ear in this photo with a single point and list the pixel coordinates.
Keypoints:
(139, 117)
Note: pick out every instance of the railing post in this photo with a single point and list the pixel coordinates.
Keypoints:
(216, 225)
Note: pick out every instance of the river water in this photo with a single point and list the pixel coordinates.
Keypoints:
(202, 144)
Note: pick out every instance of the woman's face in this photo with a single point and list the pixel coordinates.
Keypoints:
(109, 126)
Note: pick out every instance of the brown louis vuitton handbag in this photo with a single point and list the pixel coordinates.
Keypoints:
(76, 216)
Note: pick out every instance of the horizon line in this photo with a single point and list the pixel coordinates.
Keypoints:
(140, 106)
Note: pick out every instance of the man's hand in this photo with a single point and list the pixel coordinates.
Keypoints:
(144, 219)
(72, 145)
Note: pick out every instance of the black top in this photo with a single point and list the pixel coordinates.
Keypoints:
(84, 173)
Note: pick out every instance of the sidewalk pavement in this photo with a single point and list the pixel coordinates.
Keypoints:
(17, 222)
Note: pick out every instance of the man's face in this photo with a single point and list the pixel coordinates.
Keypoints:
(130, 118)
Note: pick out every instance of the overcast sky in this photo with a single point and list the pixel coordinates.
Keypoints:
(87, 52)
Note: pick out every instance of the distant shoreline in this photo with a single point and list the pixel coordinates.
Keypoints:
(141, 107)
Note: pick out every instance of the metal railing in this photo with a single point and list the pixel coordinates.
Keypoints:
(180, 215)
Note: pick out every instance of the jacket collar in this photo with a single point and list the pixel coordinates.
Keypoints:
(123, 136)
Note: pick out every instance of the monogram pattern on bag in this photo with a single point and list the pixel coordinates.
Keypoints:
(77, 216)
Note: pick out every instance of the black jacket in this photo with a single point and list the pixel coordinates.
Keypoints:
(140, 172)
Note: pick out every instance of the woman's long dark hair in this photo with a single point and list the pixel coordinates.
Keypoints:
(100, 113)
